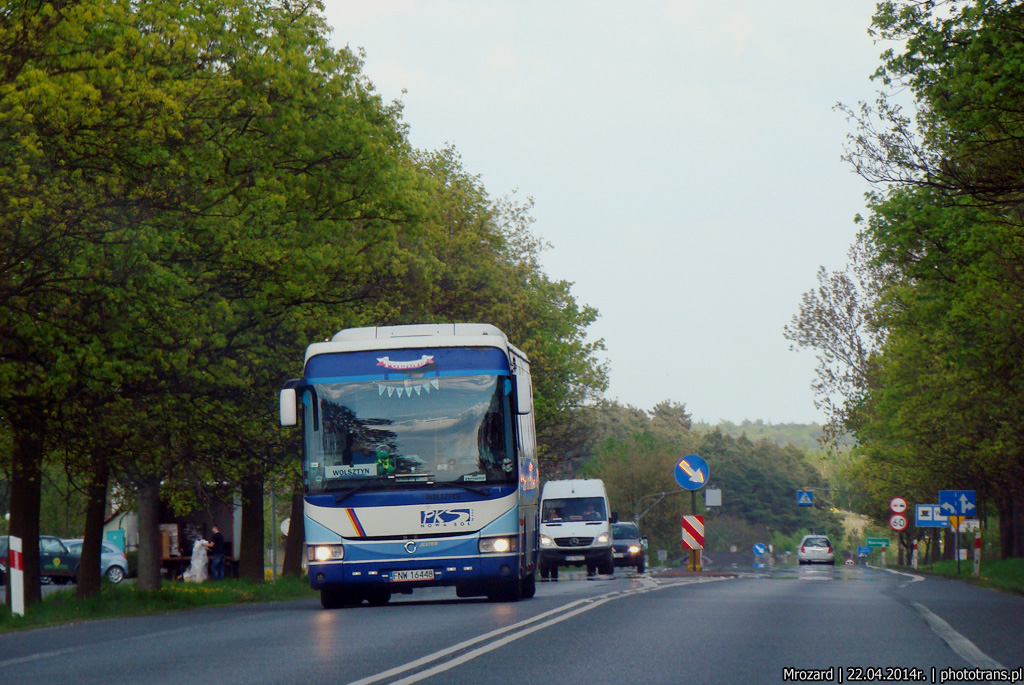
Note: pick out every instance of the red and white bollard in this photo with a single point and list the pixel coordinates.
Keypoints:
(16, 573)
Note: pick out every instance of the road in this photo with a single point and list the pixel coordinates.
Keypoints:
(651, 628)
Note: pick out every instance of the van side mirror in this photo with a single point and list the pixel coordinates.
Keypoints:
(615, 517)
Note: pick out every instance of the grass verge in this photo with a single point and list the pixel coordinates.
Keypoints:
(1002, 574)
(126, 600)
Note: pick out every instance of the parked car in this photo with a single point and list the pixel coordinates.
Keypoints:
(113, 562)
(628, 547)
(56, 562)
(816, 549)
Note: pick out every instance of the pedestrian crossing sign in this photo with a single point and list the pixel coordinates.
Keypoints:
(805, 498)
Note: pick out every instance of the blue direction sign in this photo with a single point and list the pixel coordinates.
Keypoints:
(805, 498)
(692, 472)
(957, 503)
(930, 516)
(760, 548)
(863, 551)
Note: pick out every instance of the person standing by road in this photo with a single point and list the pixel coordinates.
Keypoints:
(216, 545)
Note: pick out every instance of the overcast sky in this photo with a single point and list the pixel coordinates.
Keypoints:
(683, 156)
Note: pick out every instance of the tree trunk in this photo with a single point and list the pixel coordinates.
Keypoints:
(293, 544)
(148, 501)
(948, 544)
(250, 553)
(1017, 527)
(95, 510)
(27, 425)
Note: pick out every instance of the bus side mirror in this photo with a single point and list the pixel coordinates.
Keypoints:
(523, 394)
(289, 407)
(289, 403)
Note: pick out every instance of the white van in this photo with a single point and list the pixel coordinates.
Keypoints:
(575, 527)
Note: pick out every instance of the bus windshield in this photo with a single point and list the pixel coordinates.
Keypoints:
(390, 434)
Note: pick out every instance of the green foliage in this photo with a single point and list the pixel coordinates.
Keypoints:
(190, 197)
(636, 458)
(803, 436)
(128, 600)
(939, 402)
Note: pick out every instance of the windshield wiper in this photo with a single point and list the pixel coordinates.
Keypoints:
(466, 486)
(351, 491)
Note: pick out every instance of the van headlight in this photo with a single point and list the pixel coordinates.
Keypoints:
(498, 545)
(634, 549)
(602, 539)
(545, 541)
(325, 553)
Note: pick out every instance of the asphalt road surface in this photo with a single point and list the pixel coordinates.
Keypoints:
(837, 624)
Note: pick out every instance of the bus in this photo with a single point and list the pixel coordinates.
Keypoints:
(419, 463)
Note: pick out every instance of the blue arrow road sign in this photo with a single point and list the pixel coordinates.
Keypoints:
(930, 516)
(805, 498)
(957, 503)
(692, 472)
(760, 548)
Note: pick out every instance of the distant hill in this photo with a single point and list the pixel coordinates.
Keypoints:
(803, 436)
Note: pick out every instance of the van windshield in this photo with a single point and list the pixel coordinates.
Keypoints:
(574, 509)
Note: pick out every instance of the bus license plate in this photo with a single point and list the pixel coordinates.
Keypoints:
(576, 558)
(418, 574)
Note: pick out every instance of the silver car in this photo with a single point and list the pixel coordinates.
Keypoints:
(816, 549)
(113, 562)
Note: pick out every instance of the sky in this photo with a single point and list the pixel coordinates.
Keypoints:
(683, 158)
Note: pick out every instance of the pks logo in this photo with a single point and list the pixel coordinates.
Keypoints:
(445, 518)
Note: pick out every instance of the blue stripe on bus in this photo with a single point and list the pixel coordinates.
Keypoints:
(442, 361)
(382, 377)
(439, 494)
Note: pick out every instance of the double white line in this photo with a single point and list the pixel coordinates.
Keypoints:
(512, 633)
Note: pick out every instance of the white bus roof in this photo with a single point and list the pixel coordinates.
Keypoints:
(414, 336)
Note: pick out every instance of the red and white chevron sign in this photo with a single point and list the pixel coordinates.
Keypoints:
(693, 532)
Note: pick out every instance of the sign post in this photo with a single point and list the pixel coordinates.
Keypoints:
(958, 505)
(692, 472)
(879, 542)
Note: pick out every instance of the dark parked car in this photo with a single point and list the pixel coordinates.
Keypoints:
(56, 562)
(628, 547)
(113, 562)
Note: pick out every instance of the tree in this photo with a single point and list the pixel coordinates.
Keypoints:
(837, 321)
(193, 194)
(949, 220)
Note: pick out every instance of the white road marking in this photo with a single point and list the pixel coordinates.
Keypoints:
(913, 576)
(523, 628)
(957, 642)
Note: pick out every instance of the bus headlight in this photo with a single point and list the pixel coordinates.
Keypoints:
(498, 545)
(325, 552)
(545, 541)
